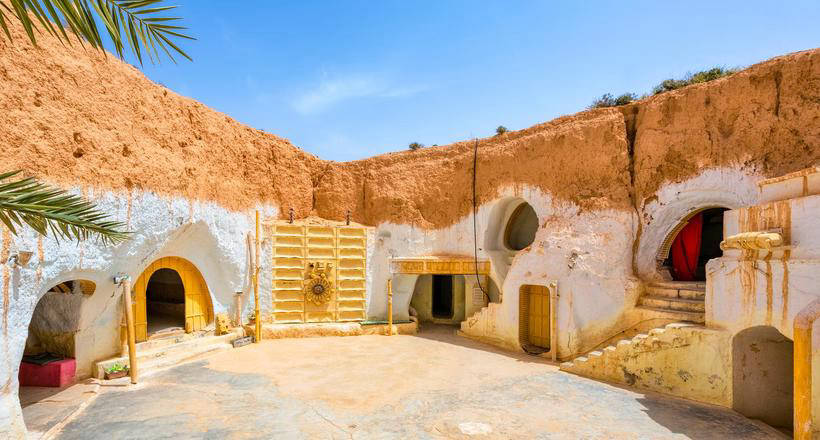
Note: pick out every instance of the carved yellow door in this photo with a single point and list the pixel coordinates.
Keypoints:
(539, 316)
(198, 308)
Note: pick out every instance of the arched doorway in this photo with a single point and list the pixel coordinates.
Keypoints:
(165, 302)
(763, 376)
(692, 243)
(175, 278)
(55, 353)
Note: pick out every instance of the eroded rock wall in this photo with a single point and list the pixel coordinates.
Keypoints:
(77, 118)
(765, 120)
(581, 158)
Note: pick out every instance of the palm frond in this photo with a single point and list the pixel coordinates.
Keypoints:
(44, 209)
(141, 25)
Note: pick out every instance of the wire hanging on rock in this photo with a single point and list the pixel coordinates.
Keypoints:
(475, 227)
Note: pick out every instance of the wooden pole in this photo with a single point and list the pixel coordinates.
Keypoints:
(803, 324)
(238, 306)
(553, 336)
(390, 307)
(258, 321)
(129, 325)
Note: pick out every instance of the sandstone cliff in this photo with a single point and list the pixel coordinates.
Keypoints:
(764, 120)
(74, 117)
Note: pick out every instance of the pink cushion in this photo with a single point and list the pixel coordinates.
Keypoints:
(54, 374)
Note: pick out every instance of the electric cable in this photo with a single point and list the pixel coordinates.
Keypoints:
(475, 227)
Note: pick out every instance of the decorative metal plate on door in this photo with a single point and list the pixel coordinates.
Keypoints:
(318, 288)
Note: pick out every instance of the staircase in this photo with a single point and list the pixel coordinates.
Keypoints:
(675, 300)
(156, 354)
(682, 359)
(481, 327)
(598, 361)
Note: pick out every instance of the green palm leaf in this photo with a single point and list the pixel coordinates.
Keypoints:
(143, 26)
(44, 209)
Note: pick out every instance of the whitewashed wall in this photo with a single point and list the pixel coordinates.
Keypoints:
(771, 290)
(588, 252)
(211, 237)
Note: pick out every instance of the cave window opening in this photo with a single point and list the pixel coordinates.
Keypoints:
(521, 227)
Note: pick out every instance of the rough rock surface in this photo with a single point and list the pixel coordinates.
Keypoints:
(582, 158)
(765, 119)
(77, 118)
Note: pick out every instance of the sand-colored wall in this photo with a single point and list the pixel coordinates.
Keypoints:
(685, 361)
(765, 119)
(77, 118)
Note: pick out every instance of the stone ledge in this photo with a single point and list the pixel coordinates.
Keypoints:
(319, 329)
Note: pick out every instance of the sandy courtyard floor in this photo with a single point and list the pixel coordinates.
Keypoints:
(434, 385)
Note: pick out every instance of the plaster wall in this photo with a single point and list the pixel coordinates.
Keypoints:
(749, 289)
(679, 359)
(208, 235)
(588, 252)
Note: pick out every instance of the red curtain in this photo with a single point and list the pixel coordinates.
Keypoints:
(686, 249)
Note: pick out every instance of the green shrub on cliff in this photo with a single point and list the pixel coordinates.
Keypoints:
(607, 100)
(693, 78)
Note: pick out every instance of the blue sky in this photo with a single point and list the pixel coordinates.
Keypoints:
(350, 79)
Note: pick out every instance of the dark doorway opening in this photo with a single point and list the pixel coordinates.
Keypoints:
(165, 302)
(695, 244)
(443, 296)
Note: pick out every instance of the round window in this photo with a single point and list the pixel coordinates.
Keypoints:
(521, 227)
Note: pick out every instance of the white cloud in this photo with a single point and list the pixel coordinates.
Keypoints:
(331, 91)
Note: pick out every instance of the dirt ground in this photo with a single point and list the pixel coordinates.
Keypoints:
(434, 385)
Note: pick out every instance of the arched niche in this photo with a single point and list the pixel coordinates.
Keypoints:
(763, 376)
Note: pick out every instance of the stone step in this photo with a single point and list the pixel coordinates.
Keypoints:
(684, 285)
(595, 364)
(677, 315)
(178, 358)
(681, 304)
(153, 344)
(679, 289)
(675, 293)
(152, 355)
